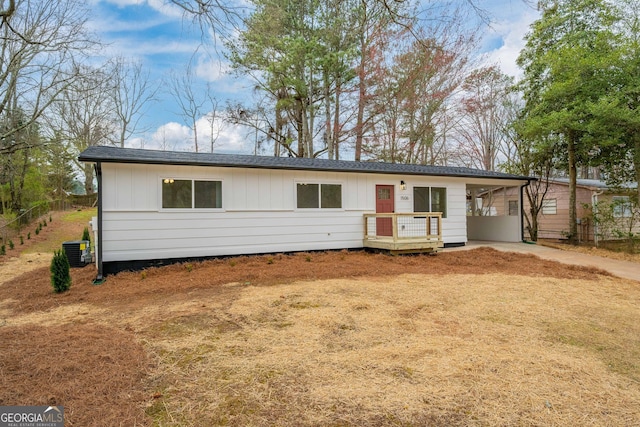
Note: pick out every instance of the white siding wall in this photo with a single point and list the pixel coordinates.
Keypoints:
(258, 215)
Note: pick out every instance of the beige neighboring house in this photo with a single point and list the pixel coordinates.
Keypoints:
(553, 221)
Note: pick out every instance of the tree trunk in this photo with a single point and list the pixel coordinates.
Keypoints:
(88, 182)
(361, 99)
(336, 121)
(532, 218)
(300, 129)
(636, 164)
(328, 134)
(573, 223)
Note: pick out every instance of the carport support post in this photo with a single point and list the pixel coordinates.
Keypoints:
(100, 277)
(473, 202)
(521, 201)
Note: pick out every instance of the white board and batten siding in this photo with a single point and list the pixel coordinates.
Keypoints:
(258, 213)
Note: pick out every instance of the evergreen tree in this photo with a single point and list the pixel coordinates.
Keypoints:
(60, 276)
(566, 65)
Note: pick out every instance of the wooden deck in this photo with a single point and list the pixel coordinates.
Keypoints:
(412, 232)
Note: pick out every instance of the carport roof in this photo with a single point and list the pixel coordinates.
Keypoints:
(104, 154)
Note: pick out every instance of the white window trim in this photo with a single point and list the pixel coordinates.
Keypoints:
(319, 183)
(546, 204)
(161, 178)
(431, 187)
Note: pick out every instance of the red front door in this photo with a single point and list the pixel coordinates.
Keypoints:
(384, 204)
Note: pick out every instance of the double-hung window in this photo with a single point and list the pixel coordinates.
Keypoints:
(430, 199)
(191, 194)
(318, 196)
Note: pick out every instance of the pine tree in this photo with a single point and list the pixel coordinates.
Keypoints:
(85, 235)
(60, 276)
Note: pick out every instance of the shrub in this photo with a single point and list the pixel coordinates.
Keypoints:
(85, 235)
(29, 236)
(3, 251)
(60, 276)
(37, 231)
(11, 245)
(21, 239)
(50, 219)
(44, 223)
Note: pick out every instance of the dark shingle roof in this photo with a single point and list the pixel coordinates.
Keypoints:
(132, 155)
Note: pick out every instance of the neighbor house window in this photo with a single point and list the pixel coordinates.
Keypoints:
(513, 207)
(430, 199)
(189, 193)
(621, 207)
(323, 196)
(550, 207)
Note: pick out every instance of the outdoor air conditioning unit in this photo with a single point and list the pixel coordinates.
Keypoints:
(78, 252)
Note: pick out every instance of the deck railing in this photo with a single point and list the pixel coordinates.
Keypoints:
(403, 231)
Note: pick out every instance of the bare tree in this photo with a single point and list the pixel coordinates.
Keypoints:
(41, 42)
(190, 102)
(214, 17)
(213, 117)
(132, 92)
(483, 114)
(84, 115)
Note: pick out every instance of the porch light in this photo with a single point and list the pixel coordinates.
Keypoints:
(403, 186)
(168, 181)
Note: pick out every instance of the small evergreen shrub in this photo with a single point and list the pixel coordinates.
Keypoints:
(3, 251)
(29, 236)
(37, 231)
(85, 235)
(21, 239)
(50, 219)
(11, 245)
(60, 276)
(44, 223)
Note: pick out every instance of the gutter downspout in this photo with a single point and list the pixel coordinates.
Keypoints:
(522, 210)
(100, 277)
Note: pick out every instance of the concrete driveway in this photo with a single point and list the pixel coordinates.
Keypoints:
(625, 269)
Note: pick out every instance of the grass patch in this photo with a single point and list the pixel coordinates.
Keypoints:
(415, 350)
(80, 216)
(71, 227)
(613, 339)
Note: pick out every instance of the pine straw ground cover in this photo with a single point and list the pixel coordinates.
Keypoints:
(470, 338)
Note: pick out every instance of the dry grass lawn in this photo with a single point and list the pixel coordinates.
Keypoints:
(470, 338)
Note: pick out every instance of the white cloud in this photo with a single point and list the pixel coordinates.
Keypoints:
(211, 69)
(174, 136)
(171, 136)
(512, 34)
(166, 8)
(161, 6)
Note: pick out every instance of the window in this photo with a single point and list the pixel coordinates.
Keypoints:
(430, 199)
(513, 208)
(188, 194)
(621, 207)
(550, 207)
(323, 196)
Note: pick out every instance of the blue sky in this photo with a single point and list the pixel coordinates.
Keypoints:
(155, 33)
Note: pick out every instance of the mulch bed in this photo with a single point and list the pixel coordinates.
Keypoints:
(94, 371)
(32, 291)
